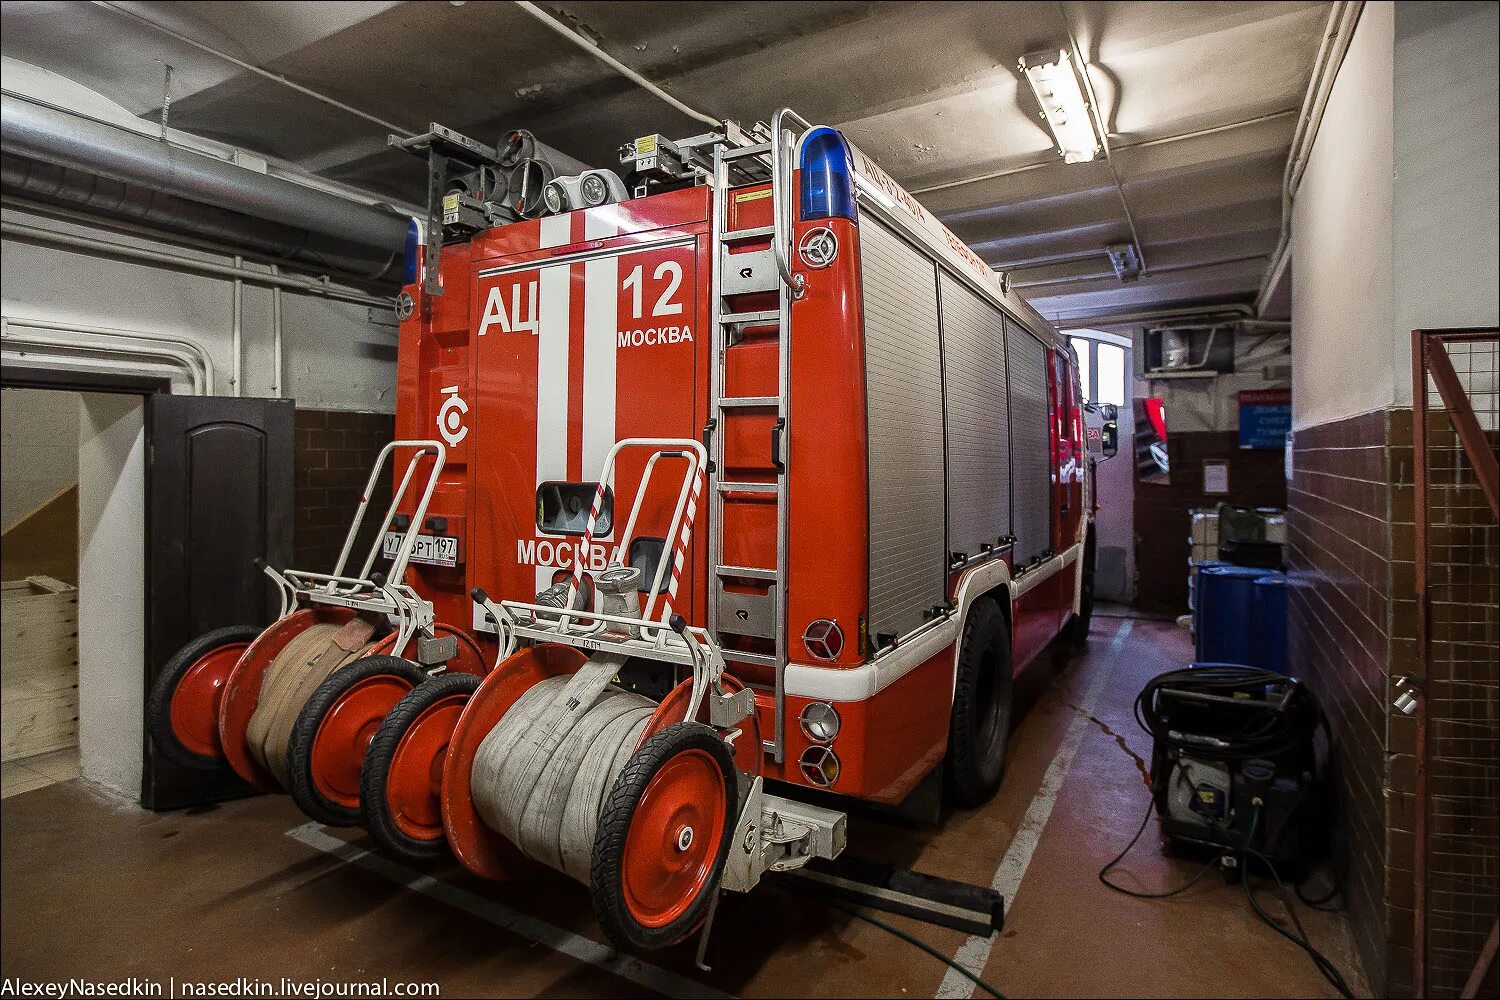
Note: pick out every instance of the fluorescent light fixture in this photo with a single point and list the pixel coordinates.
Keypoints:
(1054, 79)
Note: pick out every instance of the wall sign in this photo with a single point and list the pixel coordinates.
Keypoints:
(1265, 417)
(1215, 477)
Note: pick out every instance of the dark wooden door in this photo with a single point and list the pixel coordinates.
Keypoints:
(218, 497)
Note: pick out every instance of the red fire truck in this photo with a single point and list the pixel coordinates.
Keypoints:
(887, 445)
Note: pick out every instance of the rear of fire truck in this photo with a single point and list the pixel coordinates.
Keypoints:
(598, 373)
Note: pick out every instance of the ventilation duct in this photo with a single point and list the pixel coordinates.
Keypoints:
(59, 158)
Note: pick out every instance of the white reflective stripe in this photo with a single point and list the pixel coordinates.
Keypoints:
(557, 231)
(552, 367)
(601, 223)
(601, 283)
(870, 678)
(552, 376)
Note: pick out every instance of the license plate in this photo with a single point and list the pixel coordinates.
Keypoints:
(433, 550)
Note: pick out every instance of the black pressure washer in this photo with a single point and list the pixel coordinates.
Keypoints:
(1233, 759)
(1235, 770)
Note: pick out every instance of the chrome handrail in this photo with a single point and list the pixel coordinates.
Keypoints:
(781, 201)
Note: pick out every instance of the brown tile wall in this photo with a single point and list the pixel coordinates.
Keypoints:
(335, 450)
(1353, 619)
(1339, 556)
(1463, 701)
(1162, 521)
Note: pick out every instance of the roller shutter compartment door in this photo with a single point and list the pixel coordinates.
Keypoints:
(1030, 461)
(904, 400)
(978, 418)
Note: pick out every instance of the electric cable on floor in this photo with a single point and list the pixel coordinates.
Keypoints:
(910, 939)
(1320, 961)
(1150, 895)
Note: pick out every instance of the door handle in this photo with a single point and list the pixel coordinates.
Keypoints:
(776, 436)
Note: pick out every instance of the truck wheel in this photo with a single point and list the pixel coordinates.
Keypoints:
(182, 714)
(1076, 633)
(326, 751)
(400, 796)
(981, 707)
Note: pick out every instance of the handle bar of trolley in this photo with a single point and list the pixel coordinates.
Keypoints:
(408, 542)
(697, 458)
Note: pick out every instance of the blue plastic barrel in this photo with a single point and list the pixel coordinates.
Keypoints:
(1226, 614)
(1270, 622)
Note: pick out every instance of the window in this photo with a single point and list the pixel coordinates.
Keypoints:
(563, 508)
(1111, 384)
(1084, 348)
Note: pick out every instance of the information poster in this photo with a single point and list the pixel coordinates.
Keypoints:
(1265, 417)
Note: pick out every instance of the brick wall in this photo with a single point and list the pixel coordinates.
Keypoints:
(1256, 479)
(335, 451)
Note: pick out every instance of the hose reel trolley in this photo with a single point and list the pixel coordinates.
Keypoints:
(655, 805)
(293, 707)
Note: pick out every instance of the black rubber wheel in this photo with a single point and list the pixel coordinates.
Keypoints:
(980, 723)
(1075, 634)
(684, 741)
(303, 786)
(159, 704)
(377, 811)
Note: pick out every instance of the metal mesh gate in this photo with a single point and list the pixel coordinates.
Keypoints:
(1456, 429)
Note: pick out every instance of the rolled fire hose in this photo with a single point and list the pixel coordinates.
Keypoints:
(529, 166)
(541, 776)
(307, 661)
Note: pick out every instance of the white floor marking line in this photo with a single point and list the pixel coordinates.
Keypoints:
(974, 954)
(601, 956)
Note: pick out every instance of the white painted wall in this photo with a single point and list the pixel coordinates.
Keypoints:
(38, 457)
(334, 357)
(1447, 174)
(1343, 350)
(1397, 222)
(112, 602)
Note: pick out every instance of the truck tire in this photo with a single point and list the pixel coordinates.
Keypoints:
(1075, 634)
(980, 722)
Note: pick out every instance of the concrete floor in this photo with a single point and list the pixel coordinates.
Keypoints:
(97, 888)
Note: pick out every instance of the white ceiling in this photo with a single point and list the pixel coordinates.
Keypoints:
(1201, 101)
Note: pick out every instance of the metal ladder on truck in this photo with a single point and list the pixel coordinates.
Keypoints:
(737, 604)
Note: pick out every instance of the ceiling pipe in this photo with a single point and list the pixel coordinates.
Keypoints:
(79, 338)
(310, 286)
(1342, 20)
(1143, 144)
(1062, 258)
(89, 199)
(1083, 321)
(587, 45)
(1074, 279)
(51, 135)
